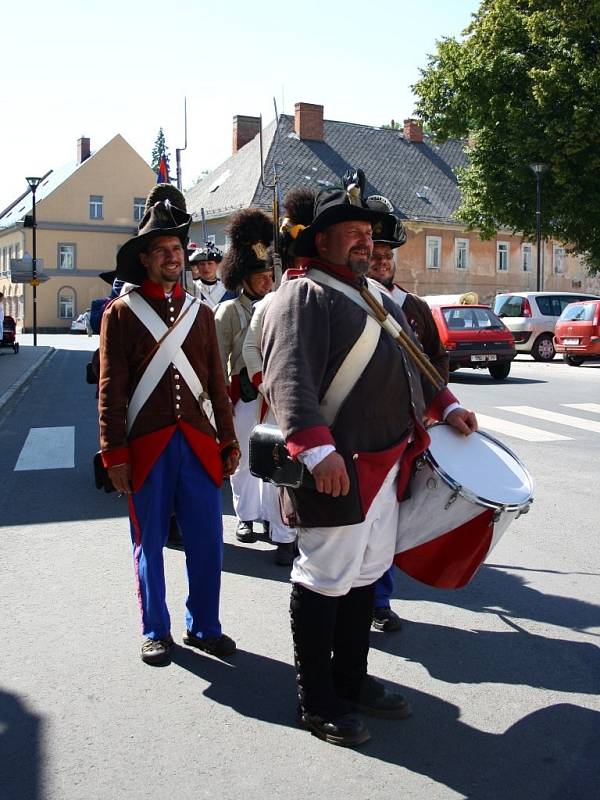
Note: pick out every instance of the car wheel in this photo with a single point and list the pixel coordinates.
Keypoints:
(499, 371)
(572, 361)
(543, 348)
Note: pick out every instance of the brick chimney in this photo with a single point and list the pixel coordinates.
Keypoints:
(244, 130)
(308, 122)
(83, 149)
(413, 130)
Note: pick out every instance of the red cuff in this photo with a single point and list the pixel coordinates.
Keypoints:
(440, 402)
(309, 437)
(119, 455)
(257, 379)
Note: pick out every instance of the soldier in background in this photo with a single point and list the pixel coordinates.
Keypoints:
(388, 235)
(246, 269)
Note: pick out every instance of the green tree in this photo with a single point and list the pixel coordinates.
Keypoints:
(160, 149)
(523, 86)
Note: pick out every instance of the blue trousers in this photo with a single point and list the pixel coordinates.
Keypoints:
(384, 588)
(178, 484)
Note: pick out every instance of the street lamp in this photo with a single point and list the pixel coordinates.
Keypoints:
(538, 169)
(33, 184)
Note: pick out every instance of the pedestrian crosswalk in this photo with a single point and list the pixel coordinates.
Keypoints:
(53, 448)
(538, 432)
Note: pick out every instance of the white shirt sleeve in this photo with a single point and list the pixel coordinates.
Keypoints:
(314, 455)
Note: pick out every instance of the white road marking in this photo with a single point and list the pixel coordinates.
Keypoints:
(593, 408)
(47, 448)
(553, 416)
(525, 432)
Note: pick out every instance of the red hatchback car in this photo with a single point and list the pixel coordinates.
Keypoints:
(577, 332)
(475, 337)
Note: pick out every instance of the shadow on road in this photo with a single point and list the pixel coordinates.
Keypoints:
(20, 750)
(253, 685)
(500, 592)
(549, 754)
(482, 378)
(458, 656)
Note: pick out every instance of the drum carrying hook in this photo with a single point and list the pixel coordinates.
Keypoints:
(452, 498)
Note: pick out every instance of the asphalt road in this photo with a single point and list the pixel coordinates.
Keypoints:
(504, 675)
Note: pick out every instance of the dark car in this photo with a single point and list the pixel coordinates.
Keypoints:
(475, 337)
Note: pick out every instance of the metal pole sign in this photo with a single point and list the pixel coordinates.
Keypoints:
(21, 270)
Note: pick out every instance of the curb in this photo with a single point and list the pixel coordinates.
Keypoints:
(14, 388)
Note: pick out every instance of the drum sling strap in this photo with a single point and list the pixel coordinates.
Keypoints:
(168, 352)
(357, 359)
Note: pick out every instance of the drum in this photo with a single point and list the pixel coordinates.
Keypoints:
(464, 494)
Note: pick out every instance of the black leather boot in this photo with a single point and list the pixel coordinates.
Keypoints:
(320, 711)
(350, 657)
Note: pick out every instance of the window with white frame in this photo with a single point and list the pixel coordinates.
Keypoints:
(502, 249)
(461, 253)
(66, 303)
(526, 256)
(139, 203)
(433, 245)
(558, 259)
(96, 206)
(66, 256)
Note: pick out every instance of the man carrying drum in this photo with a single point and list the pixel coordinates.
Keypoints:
(349, 403)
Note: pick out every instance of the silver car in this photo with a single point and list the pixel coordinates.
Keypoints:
(531, 317)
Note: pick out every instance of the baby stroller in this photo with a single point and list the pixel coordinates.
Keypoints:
(9, 335)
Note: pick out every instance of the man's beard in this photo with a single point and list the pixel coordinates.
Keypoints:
(358, 264)
(387, 280)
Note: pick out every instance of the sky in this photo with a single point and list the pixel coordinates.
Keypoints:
(71, 70)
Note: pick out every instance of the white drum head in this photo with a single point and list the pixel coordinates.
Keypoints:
(480, 464)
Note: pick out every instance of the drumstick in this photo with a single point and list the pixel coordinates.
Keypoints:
(393, 328)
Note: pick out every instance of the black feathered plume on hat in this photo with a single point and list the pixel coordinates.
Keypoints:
(336, 205)
(251, 233)
(165, 191)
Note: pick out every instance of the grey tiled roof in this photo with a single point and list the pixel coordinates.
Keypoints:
(232, 185)
(418, 178)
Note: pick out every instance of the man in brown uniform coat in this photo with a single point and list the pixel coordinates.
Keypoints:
(166, 430)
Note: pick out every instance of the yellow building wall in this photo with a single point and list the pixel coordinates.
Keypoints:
(117, 173)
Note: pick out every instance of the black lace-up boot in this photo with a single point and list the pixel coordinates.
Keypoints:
(313, 625)
(350, 657)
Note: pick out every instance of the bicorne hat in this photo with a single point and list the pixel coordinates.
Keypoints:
(333, 206)
(389, 229)
(162, 219)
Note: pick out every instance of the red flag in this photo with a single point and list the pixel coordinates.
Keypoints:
(162, 176)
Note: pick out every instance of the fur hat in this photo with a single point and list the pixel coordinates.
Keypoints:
(162, 219)
(251, 233)
(165, 191)
(298, 210)
(333, 206)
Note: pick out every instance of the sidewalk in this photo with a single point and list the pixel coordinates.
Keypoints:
(17, 368)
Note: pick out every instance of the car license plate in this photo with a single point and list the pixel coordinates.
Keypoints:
(490, 357)
(570, 341)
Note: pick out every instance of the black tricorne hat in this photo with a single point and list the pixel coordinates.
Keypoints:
(207, 253)
(390, 231)
(251, 233)
(332, 206)
(108, 277)
(162, 219)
